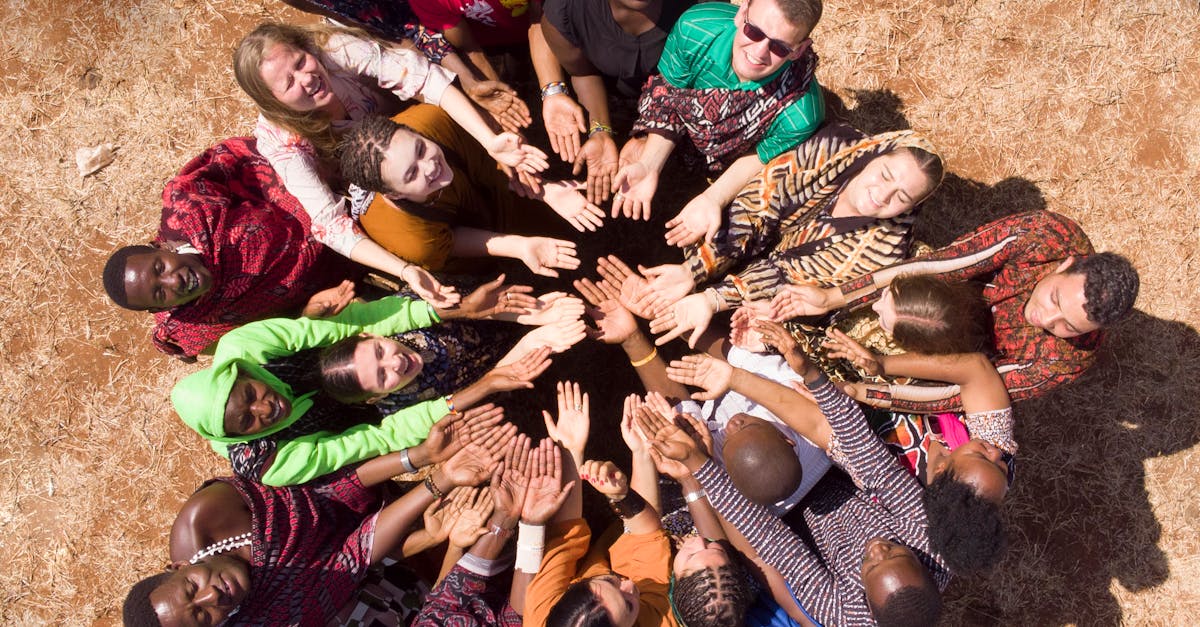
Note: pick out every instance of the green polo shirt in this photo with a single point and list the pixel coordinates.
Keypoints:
(698, 55)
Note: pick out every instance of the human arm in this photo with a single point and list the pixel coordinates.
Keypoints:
(304, 458)
(506, 148)
(544, 496)
(636, 182)
(371, 254)
(540, 254)
(562, 116)
(469, 466)
(980, 386)
(701, 217)
(264, 340)
(565, 199)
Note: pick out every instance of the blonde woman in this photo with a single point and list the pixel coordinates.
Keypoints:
(311, 82)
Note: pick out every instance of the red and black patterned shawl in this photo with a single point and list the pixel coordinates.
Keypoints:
(254, 237)
(721, 124)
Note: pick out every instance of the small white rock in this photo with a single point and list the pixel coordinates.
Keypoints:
(91, 160)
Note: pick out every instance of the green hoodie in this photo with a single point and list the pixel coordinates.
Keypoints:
(200, 398)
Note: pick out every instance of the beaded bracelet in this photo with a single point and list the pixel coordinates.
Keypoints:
(599, 127)
(432, 487)
(450, 403)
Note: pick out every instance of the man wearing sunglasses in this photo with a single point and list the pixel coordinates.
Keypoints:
(737, 84)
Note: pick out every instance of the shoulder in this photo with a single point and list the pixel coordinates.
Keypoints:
(704, 20)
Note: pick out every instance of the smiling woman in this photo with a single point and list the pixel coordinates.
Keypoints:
(250, 414)
(309, 84)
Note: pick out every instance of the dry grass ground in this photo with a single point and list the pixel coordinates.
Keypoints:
(1088, 108)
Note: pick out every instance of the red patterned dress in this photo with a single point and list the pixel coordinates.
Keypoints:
(254, 238)
(1010, 255)
(311, 548)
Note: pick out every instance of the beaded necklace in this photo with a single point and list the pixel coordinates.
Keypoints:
(222, 546)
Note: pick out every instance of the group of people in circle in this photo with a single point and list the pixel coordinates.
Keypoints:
(834, 446)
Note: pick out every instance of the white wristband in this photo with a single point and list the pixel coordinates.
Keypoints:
(530, 542)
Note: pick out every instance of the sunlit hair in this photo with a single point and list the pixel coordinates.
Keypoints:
(314, 126)
(363, 148)
(964, 528)
(938, 317)
(930, 164)
(1110, 286)
(579, 607)
(339, 378)
(803, 14)
(914, 606)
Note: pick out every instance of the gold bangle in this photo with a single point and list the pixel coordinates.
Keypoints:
(645, 360)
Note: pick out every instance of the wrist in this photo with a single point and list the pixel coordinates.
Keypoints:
(416, 457)
(694, 461)
(598, 127)
(834, 298)
(883, 360)
(503, 522)
(554, 88)
(438, 484)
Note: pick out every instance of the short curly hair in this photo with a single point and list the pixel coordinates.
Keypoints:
(914, 606)
(1110, 286)
(713, 597)
(362, 150)
(114, 273)
(137, 611)
(965, 529)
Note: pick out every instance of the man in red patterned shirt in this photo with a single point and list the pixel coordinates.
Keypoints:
(1051, 296)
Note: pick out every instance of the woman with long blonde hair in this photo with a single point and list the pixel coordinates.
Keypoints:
(311, 82)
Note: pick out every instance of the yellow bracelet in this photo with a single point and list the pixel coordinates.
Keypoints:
(645, 360)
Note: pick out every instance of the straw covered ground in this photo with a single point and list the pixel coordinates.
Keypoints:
(1088, 108)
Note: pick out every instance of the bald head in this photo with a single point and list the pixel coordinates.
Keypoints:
(760, 460)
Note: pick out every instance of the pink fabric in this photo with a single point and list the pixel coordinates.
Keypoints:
(954, 432)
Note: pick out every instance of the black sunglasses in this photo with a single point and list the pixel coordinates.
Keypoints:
(755, 34)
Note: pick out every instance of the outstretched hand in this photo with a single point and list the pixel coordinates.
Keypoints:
(599, 154)
(428, 287)
(519, 375)
(792, 301)
(551, 308)
(545, 493)
(606, 478)
(502, 103)
(692, 313)
(674, 452)
(491, 299)
(614, 323)
(712, 375)
(330, 302)
(699, 219)
(567, 200)
(509, 481)
(842, 346)
(543, 255)
(509, 149)
(634, 290)
(574, 422)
